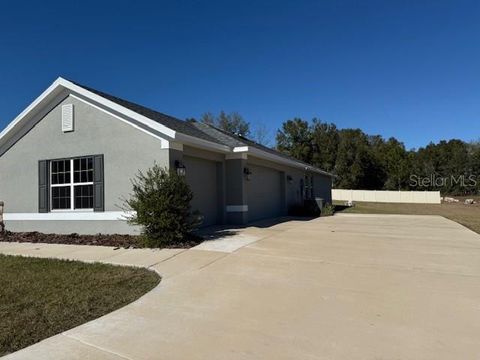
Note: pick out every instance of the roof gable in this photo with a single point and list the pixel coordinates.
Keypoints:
(149, 120)
(62, 87)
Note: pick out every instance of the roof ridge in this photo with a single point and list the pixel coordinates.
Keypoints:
(107, 95)
(189, 128)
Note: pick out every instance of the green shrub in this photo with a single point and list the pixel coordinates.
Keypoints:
(328, 210)
(161, 201)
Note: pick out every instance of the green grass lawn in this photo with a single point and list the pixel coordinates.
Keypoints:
(43, 297)
(467, 215)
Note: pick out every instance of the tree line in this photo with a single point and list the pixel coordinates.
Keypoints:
(369, 162)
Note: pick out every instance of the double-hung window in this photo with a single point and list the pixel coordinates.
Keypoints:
(71, 183)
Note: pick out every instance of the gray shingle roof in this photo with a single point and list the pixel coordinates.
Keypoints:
(170, 122)
(236, 140)
(222, 136)
(192, 128)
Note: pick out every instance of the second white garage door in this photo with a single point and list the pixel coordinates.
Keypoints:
(264, 193)
(202, 178)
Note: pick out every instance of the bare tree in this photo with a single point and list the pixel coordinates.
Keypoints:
(262, 135)
(233, 123)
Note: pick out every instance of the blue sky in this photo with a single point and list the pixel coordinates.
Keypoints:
(409, 69)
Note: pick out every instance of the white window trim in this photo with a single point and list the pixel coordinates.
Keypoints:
(71, 185)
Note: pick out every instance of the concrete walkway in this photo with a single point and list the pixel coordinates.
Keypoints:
(344, 287)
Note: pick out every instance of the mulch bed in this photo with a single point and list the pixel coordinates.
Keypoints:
(116, 240)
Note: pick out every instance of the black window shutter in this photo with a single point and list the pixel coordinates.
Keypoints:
(43, 186)
(98, 184)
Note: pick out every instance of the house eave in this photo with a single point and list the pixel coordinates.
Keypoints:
(169, 133)
(203, 144)
(279, 159)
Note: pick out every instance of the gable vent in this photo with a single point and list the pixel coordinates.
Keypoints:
(67, 117)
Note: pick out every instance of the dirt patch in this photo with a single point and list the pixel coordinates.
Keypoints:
(115, 240)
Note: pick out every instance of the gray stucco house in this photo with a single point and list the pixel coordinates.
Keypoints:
(66, 162)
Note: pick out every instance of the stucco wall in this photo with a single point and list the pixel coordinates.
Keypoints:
(205, 173)
(322, 187)
(125, 150)
(294, 194)
(322, 184)
(203, 154)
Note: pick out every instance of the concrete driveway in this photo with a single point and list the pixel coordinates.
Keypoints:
(344, 287)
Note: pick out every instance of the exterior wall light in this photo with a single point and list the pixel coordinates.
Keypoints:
(181, 169)
(248, 173)
(289, 179)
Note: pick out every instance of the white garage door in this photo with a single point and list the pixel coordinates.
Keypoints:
(264, 193)
(201, 175)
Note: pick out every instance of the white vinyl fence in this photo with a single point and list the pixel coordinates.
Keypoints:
(384, 196)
